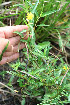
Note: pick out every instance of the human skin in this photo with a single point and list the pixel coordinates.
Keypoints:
(6, 34)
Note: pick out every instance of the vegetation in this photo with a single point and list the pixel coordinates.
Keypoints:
(43, 75)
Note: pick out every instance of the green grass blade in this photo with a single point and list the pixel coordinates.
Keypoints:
(11, 15)
(4, 51)
(60, 13)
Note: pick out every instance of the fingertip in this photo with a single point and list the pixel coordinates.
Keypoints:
(9, 59)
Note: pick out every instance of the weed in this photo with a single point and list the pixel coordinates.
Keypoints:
(40, 77)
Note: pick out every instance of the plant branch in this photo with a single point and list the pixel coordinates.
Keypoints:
(27, 74)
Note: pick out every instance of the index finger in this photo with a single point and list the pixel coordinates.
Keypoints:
(8, 30)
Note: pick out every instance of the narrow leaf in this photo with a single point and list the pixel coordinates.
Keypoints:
(69, 98)
(60, 41)
(19, 33)
(43, 25)
(38, 70)
(35, 6)
(23, 101)
(24, 30)
(32, 9)
(4, 51)
(48, 13)
(20, 5)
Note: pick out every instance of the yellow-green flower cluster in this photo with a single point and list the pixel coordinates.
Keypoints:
(65, 68)
(29, 16)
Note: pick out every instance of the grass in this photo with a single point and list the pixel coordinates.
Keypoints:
(45, 75)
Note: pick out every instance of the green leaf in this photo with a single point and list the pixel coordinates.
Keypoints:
(69, 97)
(22, 40)
(11, 15)
(19, 33)
(24, 30)
(57, 73)
(3, 72)
(11, 79)
(38, 70)
(43, 45)
(48, 13)
(30, 4)
(20, 5)
(47, 52)
(23, 101)
(25, 21)
(4, 51)
(26, 6)
(34, 7)
(43, 25)
(60, 41)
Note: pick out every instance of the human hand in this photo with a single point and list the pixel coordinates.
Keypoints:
(6, 34)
